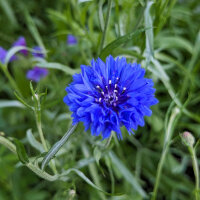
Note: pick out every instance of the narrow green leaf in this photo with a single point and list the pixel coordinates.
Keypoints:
(86, 179)
(100, 13)
(12, 52)
(9, 12)
(34, 143)
(58, 66)
(57, 15)
(97, 155)
(127, 174)
(119, 41)
(33, 29)
(10, 103)
(22, 101)
(21, 152)
(170, 42)
(149, 33)
(7, 143)
(56, 147)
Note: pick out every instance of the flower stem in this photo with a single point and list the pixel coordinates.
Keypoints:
(196, 171)
(39, 127)
(106, 25)
(9, 77)
(30, 165)
(168, 135)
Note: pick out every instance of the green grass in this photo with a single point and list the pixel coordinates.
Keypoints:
(164, 36)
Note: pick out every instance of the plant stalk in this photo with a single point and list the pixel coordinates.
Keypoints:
(168, 135)
(39, 127)
(196, 171)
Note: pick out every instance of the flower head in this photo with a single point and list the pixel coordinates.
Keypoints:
(188, 139)
(21, 42)
(71, 39)
(38, 52)
(106, 96)
(36, 74)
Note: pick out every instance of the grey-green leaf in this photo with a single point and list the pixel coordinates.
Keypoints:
(34, 143)
(10, 103)
(56, 147)
(58, 66)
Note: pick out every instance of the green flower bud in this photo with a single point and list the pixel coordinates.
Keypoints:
(188, 139)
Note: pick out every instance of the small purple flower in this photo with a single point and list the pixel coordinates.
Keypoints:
(3, 53)
(38, 52)
(36, 74)
(71, 40)
(21, 42)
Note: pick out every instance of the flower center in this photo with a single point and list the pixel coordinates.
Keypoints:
(112, 95)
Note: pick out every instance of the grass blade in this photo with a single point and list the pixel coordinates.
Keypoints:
(127, 174)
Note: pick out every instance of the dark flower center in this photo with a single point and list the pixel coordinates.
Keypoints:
(112, 95)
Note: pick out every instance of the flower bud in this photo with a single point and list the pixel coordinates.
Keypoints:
(188, 138)
(72, 194)
(2, 134)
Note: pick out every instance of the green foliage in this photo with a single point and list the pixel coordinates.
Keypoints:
(163, 36)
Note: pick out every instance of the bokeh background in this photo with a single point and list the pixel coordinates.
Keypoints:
(169, 49)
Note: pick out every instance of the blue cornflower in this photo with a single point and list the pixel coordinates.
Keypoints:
(21, 42)
(36, 74)
(38, 52)
(71, 40)
(106, 96)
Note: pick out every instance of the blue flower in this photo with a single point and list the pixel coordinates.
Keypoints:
(21, 42)
(38, 52)
(71, 40)
(36, 74)
(106, 96)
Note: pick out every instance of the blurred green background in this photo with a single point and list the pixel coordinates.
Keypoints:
(169, 49)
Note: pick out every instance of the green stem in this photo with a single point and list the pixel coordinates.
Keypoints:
(196, 171)
(31, 166)
(9, 77)
(168, 135)
(106, 25)
(39, 127)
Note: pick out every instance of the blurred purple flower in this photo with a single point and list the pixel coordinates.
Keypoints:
(38, 52)
(21, 42)
(71, 40)
(36, 74)
(3, 53)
